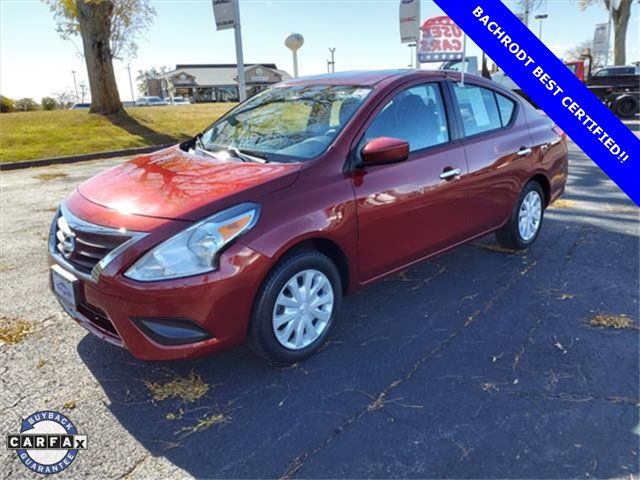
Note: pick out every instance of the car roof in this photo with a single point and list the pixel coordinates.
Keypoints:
(374, 77)
(356, 77)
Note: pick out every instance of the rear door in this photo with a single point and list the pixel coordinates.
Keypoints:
(499, 152)
(415, 208)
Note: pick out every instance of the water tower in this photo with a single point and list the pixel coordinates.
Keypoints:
(293, 42)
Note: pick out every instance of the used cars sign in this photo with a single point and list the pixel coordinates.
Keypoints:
(441, 40)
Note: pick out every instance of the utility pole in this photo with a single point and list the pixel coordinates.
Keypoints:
(73, 72)
(333, 61)
(527, 4)
(606, 55)
(130, 82)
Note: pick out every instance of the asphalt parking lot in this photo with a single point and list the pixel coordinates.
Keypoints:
(480, 363)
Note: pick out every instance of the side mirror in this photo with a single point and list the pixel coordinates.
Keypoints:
(382, 150)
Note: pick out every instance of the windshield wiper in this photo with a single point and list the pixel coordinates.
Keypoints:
(254, 153)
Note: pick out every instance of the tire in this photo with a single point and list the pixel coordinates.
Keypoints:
(512, 236)
(288, 343)
(626, 106)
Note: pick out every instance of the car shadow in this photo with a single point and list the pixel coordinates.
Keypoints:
(480, 363)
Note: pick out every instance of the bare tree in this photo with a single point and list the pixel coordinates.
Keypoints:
(576, 53)
(109, 29)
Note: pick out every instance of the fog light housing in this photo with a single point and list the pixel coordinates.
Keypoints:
(172, 331)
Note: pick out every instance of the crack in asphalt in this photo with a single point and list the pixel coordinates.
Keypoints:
(298, 462)
(137, 463)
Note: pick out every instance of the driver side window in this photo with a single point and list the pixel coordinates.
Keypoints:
(416, 115)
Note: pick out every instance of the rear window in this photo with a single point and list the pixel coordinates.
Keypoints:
(506, 107)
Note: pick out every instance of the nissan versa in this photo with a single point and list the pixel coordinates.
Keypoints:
(257, 227)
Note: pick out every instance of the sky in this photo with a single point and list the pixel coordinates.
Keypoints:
(35, 62)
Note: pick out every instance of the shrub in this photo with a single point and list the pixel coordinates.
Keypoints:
(26, 105)
(6, 105)
(49, 103)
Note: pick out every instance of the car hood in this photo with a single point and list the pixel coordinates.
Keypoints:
(178, 185)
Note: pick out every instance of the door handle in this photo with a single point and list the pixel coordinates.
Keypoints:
(447, 174)
(523, 151)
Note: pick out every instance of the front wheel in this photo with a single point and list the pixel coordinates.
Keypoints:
(295, 308)
(523, 227)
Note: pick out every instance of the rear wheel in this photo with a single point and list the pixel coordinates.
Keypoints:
(295, 308)
(626, 106)
(523, 227)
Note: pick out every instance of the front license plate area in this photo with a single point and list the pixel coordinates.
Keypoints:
(65, 286)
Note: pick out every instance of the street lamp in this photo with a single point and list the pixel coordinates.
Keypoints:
(541, 17)
(73, 72)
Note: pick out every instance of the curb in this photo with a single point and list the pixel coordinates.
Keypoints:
(43, 162)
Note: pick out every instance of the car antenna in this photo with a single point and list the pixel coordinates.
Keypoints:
(464, 59)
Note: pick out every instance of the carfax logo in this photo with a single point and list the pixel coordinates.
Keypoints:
(48, 442)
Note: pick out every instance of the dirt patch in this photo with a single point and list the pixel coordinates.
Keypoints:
(496, 248)
(5, 268)
(612, 321)
(13, 330)
(204, 423)
(45, 177)
(189, 389)
(562, 203)
(623, 210)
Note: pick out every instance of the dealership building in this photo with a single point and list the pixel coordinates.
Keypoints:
(214, 82)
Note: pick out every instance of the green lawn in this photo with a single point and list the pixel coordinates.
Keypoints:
(32, 135)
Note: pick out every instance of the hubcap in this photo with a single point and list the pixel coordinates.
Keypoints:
(530, 216)
(303, 309)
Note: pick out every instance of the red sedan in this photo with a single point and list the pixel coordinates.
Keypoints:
(257, 227)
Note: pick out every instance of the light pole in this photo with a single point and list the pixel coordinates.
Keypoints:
(75, 85)
(130, 82)
(333, 61)
(83, 90)
(541, 18)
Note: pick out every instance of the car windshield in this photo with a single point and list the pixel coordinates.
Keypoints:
(155, 100)
(291, 122)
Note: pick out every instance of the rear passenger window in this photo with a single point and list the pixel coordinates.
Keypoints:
(478, 109)
(506, 107)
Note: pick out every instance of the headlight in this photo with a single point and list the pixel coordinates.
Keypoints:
(193, 251)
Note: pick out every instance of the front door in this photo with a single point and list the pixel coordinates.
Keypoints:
(411, 209)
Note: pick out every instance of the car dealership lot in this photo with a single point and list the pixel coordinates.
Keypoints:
(479, 363)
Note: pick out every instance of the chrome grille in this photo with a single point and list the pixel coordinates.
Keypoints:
(82, 244)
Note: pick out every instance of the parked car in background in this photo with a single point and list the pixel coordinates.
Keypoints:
(80, 106)
(150, 102)
(256, 228)
(177, 101)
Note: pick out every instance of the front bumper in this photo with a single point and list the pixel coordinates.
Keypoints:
(219, 302)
